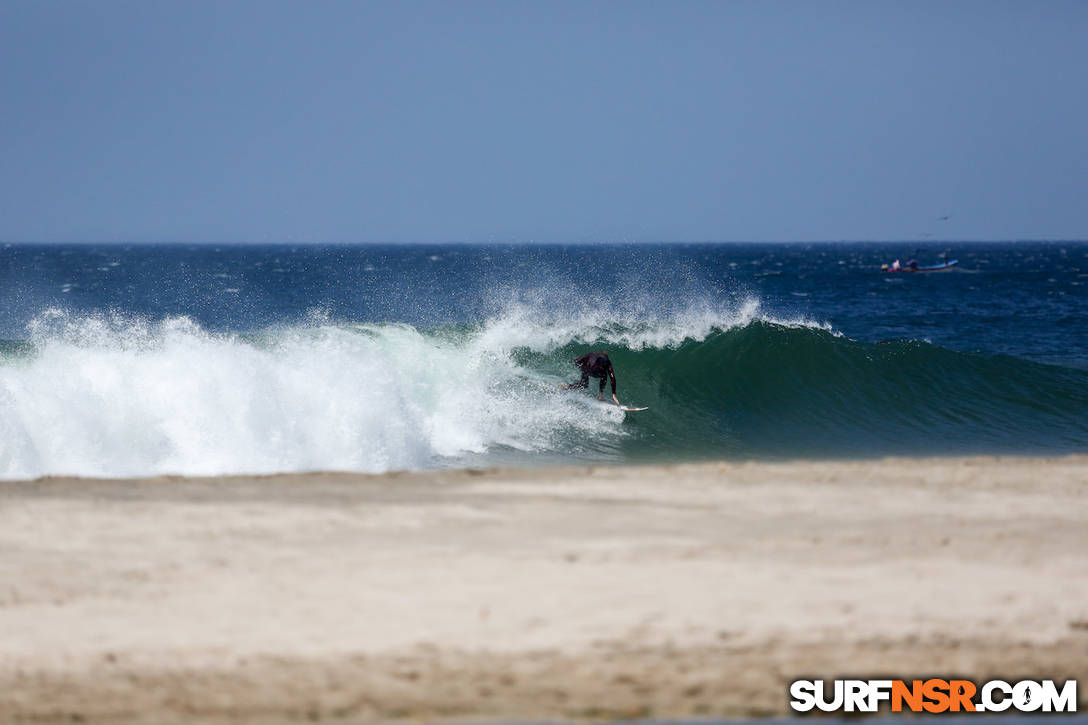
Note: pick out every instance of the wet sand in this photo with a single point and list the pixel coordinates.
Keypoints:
(533, 594)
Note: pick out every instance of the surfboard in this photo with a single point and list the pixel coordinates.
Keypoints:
(626, 408)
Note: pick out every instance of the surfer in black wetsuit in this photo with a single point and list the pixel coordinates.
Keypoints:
(595, 365)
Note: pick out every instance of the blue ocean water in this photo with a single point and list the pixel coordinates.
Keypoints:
(131, 360)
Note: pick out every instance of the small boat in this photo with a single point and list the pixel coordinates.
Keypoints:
(913, 267)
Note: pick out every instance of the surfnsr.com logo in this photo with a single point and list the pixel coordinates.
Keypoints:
(933, 696)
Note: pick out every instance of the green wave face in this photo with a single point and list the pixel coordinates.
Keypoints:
(779, 391)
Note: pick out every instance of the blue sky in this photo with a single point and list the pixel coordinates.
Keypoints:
(267, 121)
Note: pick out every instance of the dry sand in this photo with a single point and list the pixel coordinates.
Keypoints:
(572, 593)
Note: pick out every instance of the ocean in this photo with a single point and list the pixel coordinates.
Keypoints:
(133, 360)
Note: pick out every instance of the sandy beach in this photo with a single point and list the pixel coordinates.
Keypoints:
(533, 594)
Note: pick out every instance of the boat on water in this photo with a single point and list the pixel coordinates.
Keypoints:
(912, 266)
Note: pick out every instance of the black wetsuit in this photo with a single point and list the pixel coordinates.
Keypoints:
(595, 365)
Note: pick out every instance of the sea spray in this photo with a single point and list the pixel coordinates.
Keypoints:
(105, 396)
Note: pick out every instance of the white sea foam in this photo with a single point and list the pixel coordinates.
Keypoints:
(109, 395)
(117, 397)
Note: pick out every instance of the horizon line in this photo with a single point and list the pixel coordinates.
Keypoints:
(454, 242)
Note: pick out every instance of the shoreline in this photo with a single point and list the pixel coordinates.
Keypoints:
(589, 592)
(520, 470)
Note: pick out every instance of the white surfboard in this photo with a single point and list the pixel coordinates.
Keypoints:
(626, 408)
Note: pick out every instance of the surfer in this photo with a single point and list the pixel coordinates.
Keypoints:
(595, 365)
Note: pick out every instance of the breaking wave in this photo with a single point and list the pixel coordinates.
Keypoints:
(102, 395)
